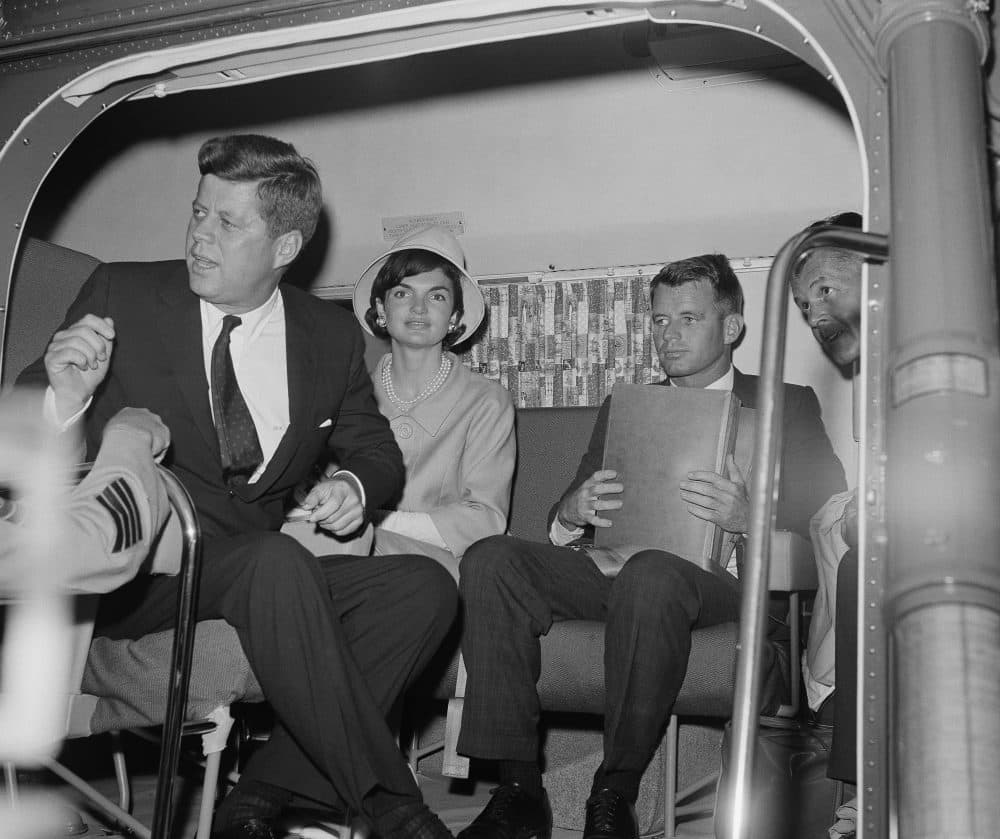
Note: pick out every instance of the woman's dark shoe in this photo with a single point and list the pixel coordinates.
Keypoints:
(610, 815)
(512, 813)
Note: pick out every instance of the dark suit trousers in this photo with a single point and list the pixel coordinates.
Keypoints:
(334, 642)
(513, 590)
(843, 750)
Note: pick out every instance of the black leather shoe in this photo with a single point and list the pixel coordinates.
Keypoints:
(512, 814)
(610, 815)
(250, 829)
(411, 821)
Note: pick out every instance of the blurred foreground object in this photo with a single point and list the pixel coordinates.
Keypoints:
(35, 659)
(36, 652)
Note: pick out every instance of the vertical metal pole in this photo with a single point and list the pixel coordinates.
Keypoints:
(763, 483)
(942, 430)
(183, 650)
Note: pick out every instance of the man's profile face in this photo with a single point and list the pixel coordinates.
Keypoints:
(828, 293)
(691, 334)
(231, 257)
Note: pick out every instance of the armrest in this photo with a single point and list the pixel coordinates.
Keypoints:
(792, 565)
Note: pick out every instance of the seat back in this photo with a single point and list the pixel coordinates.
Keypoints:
(46, 278)
(550, 443)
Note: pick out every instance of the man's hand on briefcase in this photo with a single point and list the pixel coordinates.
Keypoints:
(718, 499)
(581, 507)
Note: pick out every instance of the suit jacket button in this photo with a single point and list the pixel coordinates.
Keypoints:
(232, 493)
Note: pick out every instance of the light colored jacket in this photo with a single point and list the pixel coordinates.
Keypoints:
(829, 548)
(459, 451)
(112, 519)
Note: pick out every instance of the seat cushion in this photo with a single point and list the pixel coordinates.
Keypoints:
(572, 677)
(573, 670)
(130, 677)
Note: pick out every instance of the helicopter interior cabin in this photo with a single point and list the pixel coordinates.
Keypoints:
(572, 152)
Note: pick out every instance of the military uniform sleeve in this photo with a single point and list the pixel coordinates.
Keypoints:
(116, 516)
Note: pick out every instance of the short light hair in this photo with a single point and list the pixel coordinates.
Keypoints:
(289, 189)
(840, 256)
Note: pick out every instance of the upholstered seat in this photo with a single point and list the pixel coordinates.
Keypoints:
(129, 678)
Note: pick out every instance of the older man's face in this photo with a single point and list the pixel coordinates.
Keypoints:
(828, 293)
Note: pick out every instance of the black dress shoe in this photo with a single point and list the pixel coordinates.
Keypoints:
(411, 821)
(512, 814)
(610, 815)
(250, 829)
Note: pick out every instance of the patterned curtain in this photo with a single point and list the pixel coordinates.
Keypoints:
(559, 343)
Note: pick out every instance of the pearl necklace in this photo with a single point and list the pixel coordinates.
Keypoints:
(431, 387)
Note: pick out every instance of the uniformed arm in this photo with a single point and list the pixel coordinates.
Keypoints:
(117, 512)
(487, 471)
(811, 472)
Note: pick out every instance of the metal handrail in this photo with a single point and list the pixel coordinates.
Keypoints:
(180, 663)
(764, 481)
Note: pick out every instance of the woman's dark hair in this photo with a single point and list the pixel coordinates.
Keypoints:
(409, 263)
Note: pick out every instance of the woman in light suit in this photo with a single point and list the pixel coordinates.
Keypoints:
(454, 427)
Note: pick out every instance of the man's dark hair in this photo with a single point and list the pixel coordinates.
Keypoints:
(838, 255)
(290, 192)
(409, 263)
(712, 268)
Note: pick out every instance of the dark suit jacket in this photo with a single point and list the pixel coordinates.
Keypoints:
(810, 472)
(158, 363)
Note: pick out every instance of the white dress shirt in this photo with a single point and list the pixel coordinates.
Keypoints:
(260, 361)
(257, 346)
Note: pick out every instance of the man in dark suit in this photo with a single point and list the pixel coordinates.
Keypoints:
(257, 384)
(513, 590)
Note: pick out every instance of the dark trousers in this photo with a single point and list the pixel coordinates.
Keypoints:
(334, 642)
(843, 750)
(512, 591)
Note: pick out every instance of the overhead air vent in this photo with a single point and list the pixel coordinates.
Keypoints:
(683, 55)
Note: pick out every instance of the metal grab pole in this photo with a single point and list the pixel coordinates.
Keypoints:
(763, 489)
(942, 407)
(180, 669)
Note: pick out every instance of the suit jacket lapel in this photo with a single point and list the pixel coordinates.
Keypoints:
(301, 361)
(745, 387)
(180, 335)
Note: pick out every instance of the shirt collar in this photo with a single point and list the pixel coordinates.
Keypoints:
(252, 322)
(724, 382)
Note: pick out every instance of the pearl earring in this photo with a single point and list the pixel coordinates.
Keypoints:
(380, 320)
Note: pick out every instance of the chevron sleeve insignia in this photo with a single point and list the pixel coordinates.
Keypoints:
(119, 502)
